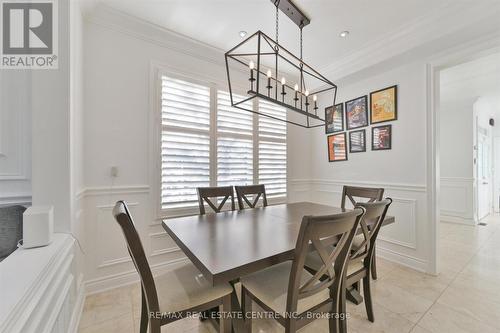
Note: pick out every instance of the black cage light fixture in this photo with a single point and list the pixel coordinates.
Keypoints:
(260, 69)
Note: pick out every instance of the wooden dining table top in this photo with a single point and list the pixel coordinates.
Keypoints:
(228, 245)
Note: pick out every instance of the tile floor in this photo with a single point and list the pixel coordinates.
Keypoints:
(465, 297)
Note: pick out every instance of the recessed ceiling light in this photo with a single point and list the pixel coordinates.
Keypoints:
(242, 33)
(344, 34)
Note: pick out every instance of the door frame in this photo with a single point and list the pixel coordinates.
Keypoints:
(487, 45)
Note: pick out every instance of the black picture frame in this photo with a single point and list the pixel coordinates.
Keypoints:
(376, 132)
(353, 146)
(331, 147)
(330, 114)
(395, 117)
(349, 105)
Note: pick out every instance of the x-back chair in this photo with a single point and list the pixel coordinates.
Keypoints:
(287, 288)
(206, 193)
(354, 193)
(257, 191)
(361, 255)
(180, 291)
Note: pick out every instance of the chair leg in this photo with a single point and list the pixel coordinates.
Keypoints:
(368, 298)
(290, 325)
(333, 321)
(144, 314)
(246, 308)
(374, 266)
(342, 310)
(155, 326)
(225, 318)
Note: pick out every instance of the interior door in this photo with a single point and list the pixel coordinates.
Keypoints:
(484, 173)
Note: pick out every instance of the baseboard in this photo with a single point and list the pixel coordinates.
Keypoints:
(402, 259)
(113, 281)
(457, 219)
(78, 308)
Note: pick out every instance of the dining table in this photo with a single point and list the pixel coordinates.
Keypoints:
(228, 245)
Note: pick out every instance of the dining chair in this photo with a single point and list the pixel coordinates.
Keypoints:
(361, 255)
(292, 294)
(205, 193)
(370, 193)
(180, 291)
(256, 190)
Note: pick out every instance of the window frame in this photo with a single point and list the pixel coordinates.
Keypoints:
(157, 72)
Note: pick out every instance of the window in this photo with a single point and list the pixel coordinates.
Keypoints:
(206, 142)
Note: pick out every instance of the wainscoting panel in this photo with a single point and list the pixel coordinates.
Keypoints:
(403, 241)
(110, 240)
(457, 200)
(107, 262)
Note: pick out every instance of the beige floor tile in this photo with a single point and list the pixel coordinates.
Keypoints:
(419, 329)
(441, 318)
(106, 305)
(120, 324)
(400, 300)
(418, 283)
(385, 320)
(468, 302)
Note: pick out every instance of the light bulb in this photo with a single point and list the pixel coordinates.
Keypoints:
(251, 65)
(269, 73)
(296, 87)
(283, 81)
(306, 93)
(315, 98)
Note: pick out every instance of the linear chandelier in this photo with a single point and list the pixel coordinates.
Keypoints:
(263, 70)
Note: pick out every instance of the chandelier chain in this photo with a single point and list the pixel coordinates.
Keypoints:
(301, 44)
(277, 26)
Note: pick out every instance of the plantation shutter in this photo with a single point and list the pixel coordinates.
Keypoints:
(272, 149)
(185, 141)
(234, 143)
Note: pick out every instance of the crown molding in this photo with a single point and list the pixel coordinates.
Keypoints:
(116, 20)
(444, 21)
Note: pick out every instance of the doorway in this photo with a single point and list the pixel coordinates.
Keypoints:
(483, 172)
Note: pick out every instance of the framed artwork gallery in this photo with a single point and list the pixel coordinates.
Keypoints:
(357, 112)
(384, 105)
(337, 147)
(357, 141)
(382, 137)
(334, 118)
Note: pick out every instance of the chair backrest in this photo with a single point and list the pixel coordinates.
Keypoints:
(370, 225)
(256, 190)
(352, 192)
(136, 251)
(314, 232)
(205, 193)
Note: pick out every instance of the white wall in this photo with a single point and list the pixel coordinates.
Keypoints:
(456, 159)
(401, 170)
(15, 137)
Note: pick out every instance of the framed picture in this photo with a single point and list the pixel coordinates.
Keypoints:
(334, 118)
(337, 147)
(357, 112)
(382, 137)
(357, 141)
(384, 105)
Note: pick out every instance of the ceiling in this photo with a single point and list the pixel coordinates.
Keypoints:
(473, 79)
(383, 26)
